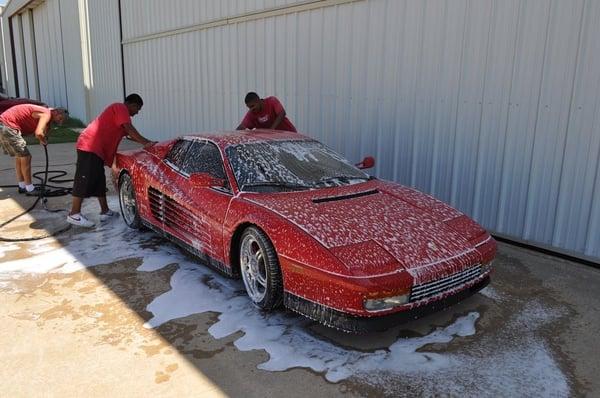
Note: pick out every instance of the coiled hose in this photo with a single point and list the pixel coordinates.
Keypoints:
(46, 191)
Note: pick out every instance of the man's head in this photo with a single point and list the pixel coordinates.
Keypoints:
(59, 115)
(253, 102)
(134, 103)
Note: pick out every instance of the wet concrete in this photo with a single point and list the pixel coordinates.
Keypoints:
(83, 332)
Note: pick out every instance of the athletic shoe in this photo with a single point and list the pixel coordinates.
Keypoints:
(35, 192)
(22, 190)
(108, 215)
(79, 220)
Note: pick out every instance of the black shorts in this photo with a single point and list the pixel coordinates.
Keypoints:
(89, 176)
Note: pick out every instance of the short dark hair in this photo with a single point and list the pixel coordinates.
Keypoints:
(251, 97)
(134, 99)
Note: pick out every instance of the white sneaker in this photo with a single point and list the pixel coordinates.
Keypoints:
(80, 220)
(108, 215)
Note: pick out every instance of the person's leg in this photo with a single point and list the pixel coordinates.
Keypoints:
(103, 204)
(80, 183)
(76, 205)
(20, 176)
(13, 144)
(25, 168)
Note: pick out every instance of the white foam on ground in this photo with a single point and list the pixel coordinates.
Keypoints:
(525, 368)
(491, 293)
(107, 242)
(7, 247)
(462, 361)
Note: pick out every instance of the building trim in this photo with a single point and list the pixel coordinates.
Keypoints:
(249, 16)
(543, 248)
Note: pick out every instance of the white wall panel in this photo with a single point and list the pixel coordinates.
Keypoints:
(30, 55)
(153, 16)
(492, 106)
(106, 84)
(577, 220)
(50, 58)
(71, 41)
(19, 56)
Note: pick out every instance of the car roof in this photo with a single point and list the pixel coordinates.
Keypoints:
(226, 138)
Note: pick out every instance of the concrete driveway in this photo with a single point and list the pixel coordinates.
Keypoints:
(115, 312)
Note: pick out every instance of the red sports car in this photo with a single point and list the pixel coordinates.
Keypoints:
(304, 227)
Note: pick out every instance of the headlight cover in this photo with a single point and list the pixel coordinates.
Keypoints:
(385, 303)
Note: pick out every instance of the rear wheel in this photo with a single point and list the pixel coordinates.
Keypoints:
(128, 203)
(260, 270)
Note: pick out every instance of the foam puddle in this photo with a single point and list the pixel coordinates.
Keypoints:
(523, 365)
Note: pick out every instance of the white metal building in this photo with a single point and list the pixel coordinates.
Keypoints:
(490, 105)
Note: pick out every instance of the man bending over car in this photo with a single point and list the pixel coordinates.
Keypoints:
(267, 113)
(96, 147)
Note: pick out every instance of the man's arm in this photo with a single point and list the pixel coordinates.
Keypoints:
(278, 120)
(42, 126)
(135, 135)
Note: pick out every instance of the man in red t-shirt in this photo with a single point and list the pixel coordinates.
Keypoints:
(96, 148)
(265, 113)
(26, 119)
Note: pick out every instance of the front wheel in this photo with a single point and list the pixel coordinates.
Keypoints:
(128, 204)
(260, 270)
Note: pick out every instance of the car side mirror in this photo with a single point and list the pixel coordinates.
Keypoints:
(367, 163)
(205, 180)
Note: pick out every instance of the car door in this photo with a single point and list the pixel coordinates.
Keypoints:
(166, 200)
(208, 204)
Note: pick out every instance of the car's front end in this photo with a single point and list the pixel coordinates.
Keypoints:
(379, 259)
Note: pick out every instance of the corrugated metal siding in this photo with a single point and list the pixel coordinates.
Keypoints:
(30, 57)
(106, 84)
(492, 106)
(3, 68)
(49, 49)
(72, 49)
(19, 56)
(153, 16)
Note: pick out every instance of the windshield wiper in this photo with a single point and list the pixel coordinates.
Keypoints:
(274, 184)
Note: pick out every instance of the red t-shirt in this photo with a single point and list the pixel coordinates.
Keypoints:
(103, 135)
(265, 118)
(20, 117)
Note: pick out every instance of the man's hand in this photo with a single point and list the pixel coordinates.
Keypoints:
(42, 126)
(278, 120)
(42, 138)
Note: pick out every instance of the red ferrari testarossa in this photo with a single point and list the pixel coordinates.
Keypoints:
(304, 227)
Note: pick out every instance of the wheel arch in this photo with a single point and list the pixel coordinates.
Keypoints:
(234, 246)
(121, 174)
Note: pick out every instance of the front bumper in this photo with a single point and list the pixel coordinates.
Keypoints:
(361, 324)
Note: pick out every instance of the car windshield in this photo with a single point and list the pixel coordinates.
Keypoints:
(290, 166)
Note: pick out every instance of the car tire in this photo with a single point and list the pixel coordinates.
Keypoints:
(128, 202)
(259, 267)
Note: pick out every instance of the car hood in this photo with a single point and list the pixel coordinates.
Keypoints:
(375, 228)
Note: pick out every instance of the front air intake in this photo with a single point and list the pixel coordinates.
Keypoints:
(430, 289)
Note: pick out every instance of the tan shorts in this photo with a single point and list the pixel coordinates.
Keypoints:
(12, 143)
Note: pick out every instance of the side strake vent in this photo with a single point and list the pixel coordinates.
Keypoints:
(344, 197)
(170, 213)
(420, 292)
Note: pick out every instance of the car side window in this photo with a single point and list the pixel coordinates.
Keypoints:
(176, 155)
(204, 157)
